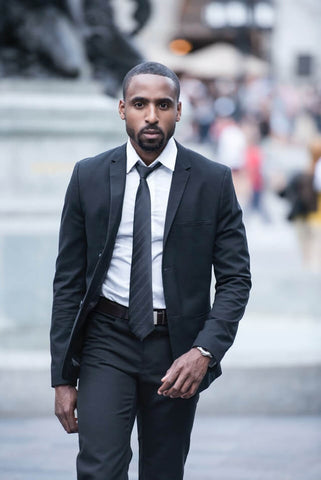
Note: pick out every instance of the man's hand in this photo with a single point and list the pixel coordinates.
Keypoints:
(183, 378)
(65, 405)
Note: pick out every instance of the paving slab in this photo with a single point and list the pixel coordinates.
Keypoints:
(223, 448)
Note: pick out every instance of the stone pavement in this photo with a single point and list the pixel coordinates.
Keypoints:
(223, 448)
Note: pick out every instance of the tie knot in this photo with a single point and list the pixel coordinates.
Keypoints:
(145, 171)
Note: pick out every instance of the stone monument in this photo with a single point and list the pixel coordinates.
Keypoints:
(57, 59)
(68, 38)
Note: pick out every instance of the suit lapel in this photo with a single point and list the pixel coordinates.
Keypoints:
(180, 177)
(117, 180)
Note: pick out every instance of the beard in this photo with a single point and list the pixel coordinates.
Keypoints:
(150, 145)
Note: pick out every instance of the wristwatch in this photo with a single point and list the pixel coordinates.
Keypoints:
(204, 352)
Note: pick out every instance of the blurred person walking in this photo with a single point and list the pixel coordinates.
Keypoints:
(142, 226)
(203, 117)
(231, 147)
(202, 108)
(314, 217)
(254, 169)
(304, 193)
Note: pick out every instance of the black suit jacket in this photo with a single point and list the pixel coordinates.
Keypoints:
(203, 228)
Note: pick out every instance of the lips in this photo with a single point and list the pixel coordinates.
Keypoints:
(151, 131)
(151, 135)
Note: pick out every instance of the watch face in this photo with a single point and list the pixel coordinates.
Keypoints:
(204, 352)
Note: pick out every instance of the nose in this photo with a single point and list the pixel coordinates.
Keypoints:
(151, 114)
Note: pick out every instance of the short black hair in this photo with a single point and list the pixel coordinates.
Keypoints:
(152, 68)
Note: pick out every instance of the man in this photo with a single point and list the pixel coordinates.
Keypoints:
(131, 312)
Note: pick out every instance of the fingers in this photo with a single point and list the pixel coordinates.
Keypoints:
(179, 384)
(167, 381)
(68, 421)
(190, 390)
(65, 405)
(184, 376)
(172, 387)
(183, 389)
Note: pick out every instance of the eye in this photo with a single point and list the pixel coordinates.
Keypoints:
(138, 104)
(164, 106)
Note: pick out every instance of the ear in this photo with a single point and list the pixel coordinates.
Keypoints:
(179, 111)
(121, 109)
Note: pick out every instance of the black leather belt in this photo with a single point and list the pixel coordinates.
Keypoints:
(112, 308)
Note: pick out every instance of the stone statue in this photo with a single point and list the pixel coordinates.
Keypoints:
(68, 38)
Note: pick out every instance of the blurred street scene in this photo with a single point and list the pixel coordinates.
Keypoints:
(250, 73)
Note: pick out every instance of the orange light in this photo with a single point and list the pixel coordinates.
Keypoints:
(180, 46)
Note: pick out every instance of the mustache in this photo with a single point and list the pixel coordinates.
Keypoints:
(151, 128)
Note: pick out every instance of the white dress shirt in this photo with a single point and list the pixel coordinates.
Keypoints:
(116, 283)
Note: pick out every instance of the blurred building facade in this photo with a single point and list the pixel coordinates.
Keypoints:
(296, 41)
(283, 32)
(246, 24)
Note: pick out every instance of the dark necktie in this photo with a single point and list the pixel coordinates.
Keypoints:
(141, 320)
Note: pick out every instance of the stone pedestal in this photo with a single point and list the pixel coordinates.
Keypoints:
(45, 127)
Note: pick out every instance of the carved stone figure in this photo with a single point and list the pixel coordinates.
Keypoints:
(67, 38)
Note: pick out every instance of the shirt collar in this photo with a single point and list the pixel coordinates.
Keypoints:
(166, 158)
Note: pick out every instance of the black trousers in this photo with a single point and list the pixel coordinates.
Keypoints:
(119, 378)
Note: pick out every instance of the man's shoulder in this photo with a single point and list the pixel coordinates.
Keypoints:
(102, 159)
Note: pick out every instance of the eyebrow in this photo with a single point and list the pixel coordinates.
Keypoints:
(158, 100)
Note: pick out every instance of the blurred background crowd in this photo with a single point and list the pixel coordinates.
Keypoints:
(239, 120)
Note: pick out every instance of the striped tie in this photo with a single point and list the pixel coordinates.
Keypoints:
(141, 320)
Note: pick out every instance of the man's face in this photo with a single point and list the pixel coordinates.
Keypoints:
(151, 111)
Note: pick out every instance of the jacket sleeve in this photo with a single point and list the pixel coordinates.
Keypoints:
(70, 277)
(232, 272)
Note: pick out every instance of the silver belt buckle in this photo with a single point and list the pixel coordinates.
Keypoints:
(155, 316)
